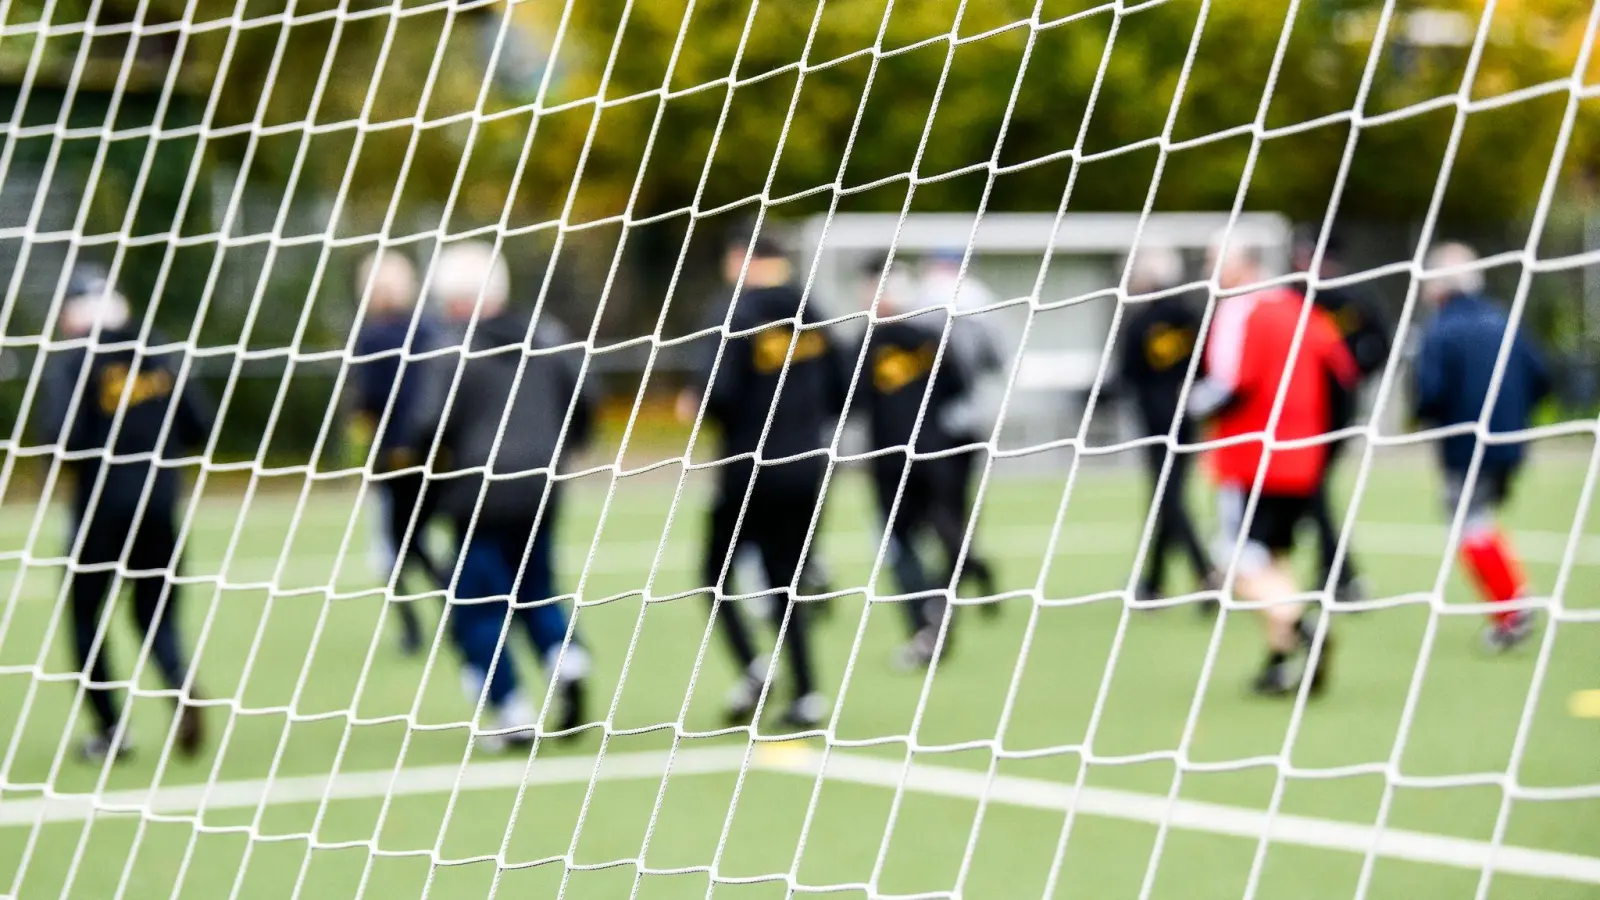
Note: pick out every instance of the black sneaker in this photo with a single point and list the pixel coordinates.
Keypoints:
(1276, 680)
(1319, 675)
(191, 733)
(1353, 590)
(97, 747)
(574, 706)
(1502, 637)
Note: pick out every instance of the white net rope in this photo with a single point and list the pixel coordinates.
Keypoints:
(187, 802)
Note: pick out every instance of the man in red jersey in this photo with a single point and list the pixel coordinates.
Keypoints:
(1248, 364)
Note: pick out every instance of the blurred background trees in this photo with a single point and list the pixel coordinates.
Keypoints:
(279, 124)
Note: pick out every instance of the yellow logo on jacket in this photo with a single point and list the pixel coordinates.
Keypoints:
(1165, 346)
(146, 386)
(893, 368)
(771, 348)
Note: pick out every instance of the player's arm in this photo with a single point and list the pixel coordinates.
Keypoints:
(1226, 364)
(580, 430)
(1430, 384)
(726, 386)
(1369, 337)
(1339, 364)
(426, 423)
(61, 370)
(196, 414)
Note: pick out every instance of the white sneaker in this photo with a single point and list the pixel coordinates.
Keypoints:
(806, 713)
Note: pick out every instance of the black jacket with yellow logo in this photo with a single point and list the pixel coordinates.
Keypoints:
(1157, 343)
(146, 388)
(899, 372)
(745, 386)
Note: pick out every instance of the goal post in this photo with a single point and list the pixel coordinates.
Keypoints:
(1056, 365)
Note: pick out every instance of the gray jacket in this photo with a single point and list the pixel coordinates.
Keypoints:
(549, 414)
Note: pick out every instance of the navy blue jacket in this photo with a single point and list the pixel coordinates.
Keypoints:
(377, 379)
(1457, 359)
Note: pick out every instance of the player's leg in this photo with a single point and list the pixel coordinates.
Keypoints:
(1181, 527)
(478, 623)
(977, 567)
(1263, 574)
(90, 600)
(1488, 554)
(1347, 584)
(1151, 582)
(548, 623)
(89, 593)
(156, 612)
(787, 496)
(904, 509)
(403, 493)
(727, 617)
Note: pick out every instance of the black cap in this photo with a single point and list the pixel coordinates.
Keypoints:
(87, 278)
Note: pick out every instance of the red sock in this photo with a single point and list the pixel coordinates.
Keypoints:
(1494, 567)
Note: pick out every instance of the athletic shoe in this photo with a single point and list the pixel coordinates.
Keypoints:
(1275, 680)
(96, 748)
(191, 733)
(512, 742)
(574, 697)
(1501, 637)
(1352, 591)
(917, 653)
(1319, 675)
(740, 706)
(806, 713)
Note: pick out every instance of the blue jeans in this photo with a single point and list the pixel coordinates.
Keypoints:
(488, 568)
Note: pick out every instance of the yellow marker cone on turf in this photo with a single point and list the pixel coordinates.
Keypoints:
(1585, 704)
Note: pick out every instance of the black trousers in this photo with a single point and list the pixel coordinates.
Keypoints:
(1174, 529)
(403, 498)
(964, 473)
(152, 545)
(933, 502)
(783, 499)
(1327, 530)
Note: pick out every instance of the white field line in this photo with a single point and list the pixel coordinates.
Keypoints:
(183, 802)
(1014, 543)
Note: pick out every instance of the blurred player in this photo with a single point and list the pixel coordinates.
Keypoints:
(386, 333)
(1367, 338)
(783, 492)
(1154, 362)
(899, 374)
(1457, 359)
(1247, 363)
(517, 431)
(969, 417)
(747, 573)
(122, 527)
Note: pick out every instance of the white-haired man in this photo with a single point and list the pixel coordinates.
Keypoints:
(1459, 352)
(386, 388)
(133, 411)
(1157, 344)
(501, 427)
(1248, 365)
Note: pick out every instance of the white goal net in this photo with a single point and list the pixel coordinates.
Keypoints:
(394, 428)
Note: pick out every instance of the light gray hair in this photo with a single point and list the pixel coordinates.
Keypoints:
(392, 277)
(472, 269)
(107, 308)
(1453, 255)
(1154, 267)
